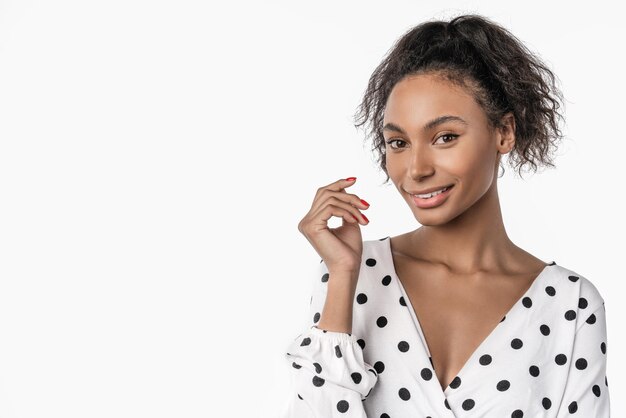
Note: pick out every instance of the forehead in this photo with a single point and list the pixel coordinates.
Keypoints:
(419, 98)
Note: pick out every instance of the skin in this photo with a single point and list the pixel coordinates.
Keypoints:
(461, 271)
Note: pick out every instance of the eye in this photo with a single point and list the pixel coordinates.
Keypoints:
(392, 141)
(453, 136)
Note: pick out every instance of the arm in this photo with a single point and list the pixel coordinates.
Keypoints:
(329, 375)
(586, 391)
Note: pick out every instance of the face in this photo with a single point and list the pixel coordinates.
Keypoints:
(462, 151)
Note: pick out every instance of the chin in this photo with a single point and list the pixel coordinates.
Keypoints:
(433, 217)
(432, 222)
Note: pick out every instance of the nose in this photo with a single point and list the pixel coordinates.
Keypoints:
(420, 164)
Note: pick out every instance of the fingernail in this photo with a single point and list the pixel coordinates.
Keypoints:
(365, 217)
(351, 178)
(364, 202)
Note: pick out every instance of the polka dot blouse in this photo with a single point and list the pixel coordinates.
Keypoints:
(545, 358)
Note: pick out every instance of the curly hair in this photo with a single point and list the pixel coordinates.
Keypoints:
(476, 53)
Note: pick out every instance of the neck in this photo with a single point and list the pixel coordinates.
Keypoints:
(472, 242)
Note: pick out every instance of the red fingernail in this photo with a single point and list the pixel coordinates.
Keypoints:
(355, 218)
(364, 202)
(351, 178)
(365, 217)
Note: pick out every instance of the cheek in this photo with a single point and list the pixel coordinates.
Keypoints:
(475, 167)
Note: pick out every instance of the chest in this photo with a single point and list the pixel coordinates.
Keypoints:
(456, 314)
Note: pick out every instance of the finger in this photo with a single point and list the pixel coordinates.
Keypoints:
(336, 201)
(339, 212)
(319, 221)
(348, 198)
(322, 195)
(337, 186)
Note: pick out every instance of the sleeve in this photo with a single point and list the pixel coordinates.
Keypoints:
(329, 376)
(586, 391)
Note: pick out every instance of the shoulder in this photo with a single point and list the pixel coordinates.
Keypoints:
(376, 249)
(588, 293)
(580, 293)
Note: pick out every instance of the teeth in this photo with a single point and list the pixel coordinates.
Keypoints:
(429, 195)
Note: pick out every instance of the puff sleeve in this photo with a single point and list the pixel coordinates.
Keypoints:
(586, 391)
(328, 374)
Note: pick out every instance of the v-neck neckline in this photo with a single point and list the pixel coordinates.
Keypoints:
(408, 304)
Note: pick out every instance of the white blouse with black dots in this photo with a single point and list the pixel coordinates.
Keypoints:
(546, 358)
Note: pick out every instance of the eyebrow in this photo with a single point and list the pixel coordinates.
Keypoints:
(429, 125)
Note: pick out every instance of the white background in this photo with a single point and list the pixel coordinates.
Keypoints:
(157, 156)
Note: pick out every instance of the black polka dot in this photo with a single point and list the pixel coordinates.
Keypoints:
(361, 343)
(381, 321)
(545, 330)
(534, 371)
(560, 359)
(468, 404)
(403, 346)
(603, 347)
(379, 366)
(325, 277)
(361, 298)
(518, 413)
(384, 416)
(305, 341)
(318, 381)
(551, 291)
(318, 368)
(516, 343)
(503, 318)
(316, 317)
(546, 403)
(503, 385)
(386, 280)
(295, 365)
(456, 382)
(356, 377)
(402, 301)
(404, 394)
(446, 404)
(570, 315)
(573, 278)
(581, 364)
(582, 303)
(338, 351)
(572, 407)
(371, 262)
(596, 390)
(485, 359)
(342, 406)
(426, 373)
(527, 302)
(591, 320)
(300, 397)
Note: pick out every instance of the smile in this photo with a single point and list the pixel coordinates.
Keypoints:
(432, 199)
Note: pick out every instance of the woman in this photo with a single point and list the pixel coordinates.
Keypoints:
(451, 319)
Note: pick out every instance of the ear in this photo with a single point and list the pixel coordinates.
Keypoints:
(506, 134)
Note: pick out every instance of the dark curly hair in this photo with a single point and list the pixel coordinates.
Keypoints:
(476, 53)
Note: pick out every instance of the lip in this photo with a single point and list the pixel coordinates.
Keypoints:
(433, 201)
(432, 189)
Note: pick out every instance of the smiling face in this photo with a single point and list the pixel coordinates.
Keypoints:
(458, 148)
